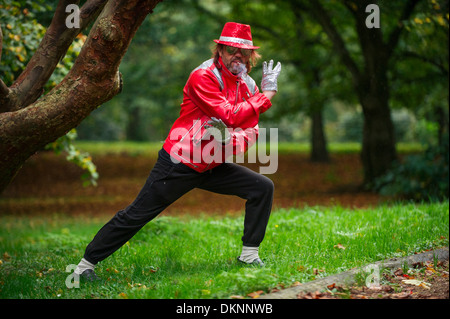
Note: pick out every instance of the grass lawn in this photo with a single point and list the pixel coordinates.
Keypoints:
(151, 148)
(187, 257)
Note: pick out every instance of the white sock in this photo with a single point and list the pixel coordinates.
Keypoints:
(83, 265)
(249, 254)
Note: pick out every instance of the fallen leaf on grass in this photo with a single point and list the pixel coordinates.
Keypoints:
(387, 288)
(398, 272)
(123, 295)
(137, 286)
(236, 297)
(274, 290)
(339, 246)
(401, 295)
(112, 270)
(425, 285)
(430, 271)
(418, 283)
(358, 297)
(375, 287)
(313, 295)
(6, 256)
(301, 268)
(317, 271)
(255, 294)
(332, 286)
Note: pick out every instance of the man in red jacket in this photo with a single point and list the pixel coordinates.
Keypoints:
(219, 117)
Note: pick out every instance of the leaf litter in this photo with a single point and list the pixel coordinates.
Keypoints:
(423, 281)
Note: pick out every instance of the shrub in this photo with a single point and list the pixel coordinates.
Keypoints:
(419, 177)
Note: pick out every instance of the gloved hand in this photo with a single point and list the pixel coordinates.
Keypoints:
(270, 76)
(218, 129)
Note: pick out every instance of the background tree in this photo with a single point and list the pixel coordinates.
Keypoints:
(369, 77)
(369, 65)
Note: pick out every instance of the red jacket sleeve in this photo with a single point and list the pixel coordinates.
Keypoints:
(242, 140)
(204, 91)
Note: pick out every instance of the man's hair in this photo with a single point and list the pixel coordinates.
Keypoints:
(254, 57)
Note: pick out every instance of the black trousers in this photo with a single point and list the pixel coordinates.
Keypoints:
(169, 181)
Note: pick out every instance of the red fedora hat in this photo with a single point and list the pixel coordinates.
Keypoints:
(237, 35)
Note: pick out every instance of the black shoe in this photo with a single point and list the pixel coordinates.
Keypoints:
(89, 275)
(256, 262)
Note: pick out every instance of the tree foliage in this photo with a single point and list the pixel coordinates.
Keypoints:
(22, 34)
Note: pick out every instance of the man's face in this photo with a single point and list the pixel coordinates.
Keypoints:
(234, 58)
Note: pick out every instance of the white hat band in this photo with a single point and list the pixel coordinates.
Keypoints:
(236, 40)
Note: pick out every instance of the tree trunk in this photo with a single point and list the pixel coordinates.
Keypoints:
(442, 119)
(319, 151)
(378, 145)
(27, 125)
(134, 127)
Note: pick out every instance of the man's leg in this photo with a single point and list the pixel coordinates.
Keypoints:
(233, 179)
(167, 182)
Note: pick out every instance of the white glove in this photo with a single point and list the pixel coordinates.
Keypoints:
(270, 76)
(218, 129)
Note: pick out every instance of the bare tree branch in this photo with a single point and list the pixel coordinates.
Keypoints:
(324, 19)
(4, 91)
(1, 42)
(440, 66)
(395, 34)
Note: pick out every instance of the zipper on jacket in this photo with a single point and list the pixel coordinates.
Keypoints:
(192, 127)
(197, 141)
(198, 130)
(237, 95)
(237, 92)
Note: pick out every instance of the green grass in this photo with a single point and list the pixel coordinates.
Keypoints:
(186, 257)
(148, 148)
